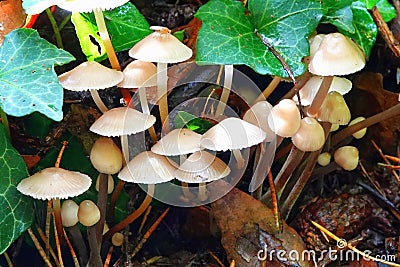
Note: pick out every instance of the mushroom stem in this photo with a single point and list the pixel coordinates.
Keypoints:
(386, 114)
(269, 89)
(79, 244)
(240, 161)
(101, 25)
(114, 198)
(202, 196)
(58, 224)
(102, 205)
(162, 91)
(97, 100)
(134, 215)
(146, 110)
(320, 96)
(185, 186)
(226, 90)
(125, 147)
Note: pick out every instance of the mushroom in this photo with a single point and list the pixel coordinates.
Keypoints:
(117, 239)
(310, 136)
(91, 76)
(284, 118)
(359, 134)
(346, 157)
(69, 213)
(88, 213)
(161, 47)
(334, 109)
(232, 134)
(332, 54)
(201, 167)
(324, 159)
(140, 74)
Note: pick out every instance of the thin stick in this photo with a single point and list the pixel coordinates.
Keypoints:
(56, 30)
(59, 157)
(56, 235)
(134, 215)
(9, 262)
(216, 258)
(274, 202)
(71, 250)
(101, 25)
(149, 233)
(108, 258)
(114, 197)
(346, 244)
(39, 248)
(269, 89)
(145, 216)
(392, 158)
(46, 240)
(384, 159)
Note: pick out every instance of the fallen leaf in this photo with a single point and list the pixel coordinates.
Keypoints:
(245, 223)
(12, 16)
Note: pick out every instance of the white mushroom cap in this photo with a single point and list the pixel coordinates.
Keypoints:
(232, 133)
(148, 168)
(90, 75)
(139, 74)
(122, 121)
(201, 167)
(54, 182)
(310, 136)
(258, 116)
(88, 213)
(89, 6)
(178, 142)
(334, 109)
(160, 46)
(347, 157)
(69, 213)
(336, 55)
(310, 89)
(284, 118)
(106, 156)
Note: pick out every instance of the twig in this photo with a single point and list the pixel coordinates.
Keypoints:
(56, 30)
(145, 216)
(39, 248)
(392, 158)
(343, 242)
(216, 258)
(274, 202)
(9, 262)
(46, 240)
(384, 159)
(60, 259)
(149, 233)
(108, 258)
(385, 32)
(72, 251)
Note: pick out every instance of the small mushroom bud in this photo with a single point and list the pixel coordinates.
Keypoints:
(88, 213)
(117, 239)
(359, 134)
(110, 184)
(106, 156)
(324, 159)
(69, 213)
(347, 157)
(284, 118)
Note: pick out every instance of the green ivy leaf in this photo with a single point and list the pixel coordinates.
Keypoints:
(16, 209)
(227, 35)
(365, 28)
(339, 14)
(125, 24)
(28, 81)
(387, 11)
(369, 3)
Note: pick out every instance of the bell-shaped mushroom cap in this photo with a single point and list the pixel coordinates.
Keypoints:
(336, 55)
(347, 157)
(178, 142)
(232, 133)
(310, 136)
(54, 183)
(334, 109)
(148, 168)
(105, 156)
(122, 121)
(359, 134)
(90, 75)
(258, 116)
(284, 118)
(88, 213)
(160, 46)
(89, 6)
(69, 213)
(202, 167)
(139, 74)
(324, 159)
(310, 89)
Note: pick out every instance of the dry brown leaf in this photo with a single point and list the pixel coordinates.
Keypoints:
(245, 223)
(12, 16)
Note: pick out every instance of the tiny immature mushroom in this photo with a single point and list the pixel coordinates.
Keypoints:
(91, 76)
(324, 159)
(347, 157)
(163, 48)
(359, 134)
(69, 213)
